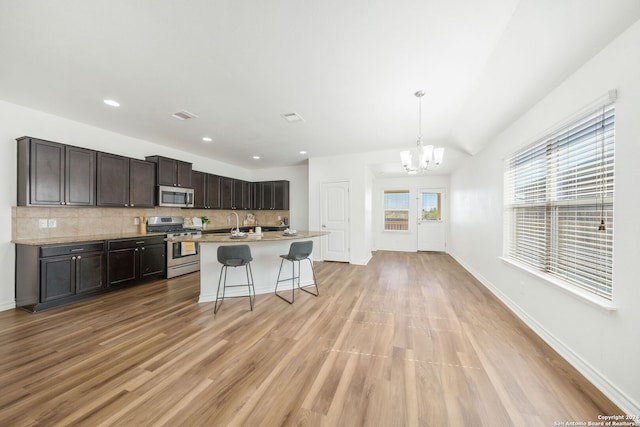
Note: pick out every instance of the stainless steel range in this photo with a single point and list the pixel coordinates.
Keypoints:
(182, 257)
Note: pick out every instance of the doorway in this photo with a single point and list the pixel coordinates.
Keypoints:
(431, 220)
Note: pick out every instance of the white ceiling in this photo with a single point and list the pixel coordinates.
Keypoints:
(349, 68)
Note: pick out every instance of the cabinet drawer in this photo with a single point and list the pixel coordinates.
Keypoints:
(70, 249)
(132, 243)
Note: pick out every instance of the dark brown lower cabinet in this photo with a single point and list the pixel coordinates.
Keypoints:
(133, 261)
(49, 276)
(53, 275)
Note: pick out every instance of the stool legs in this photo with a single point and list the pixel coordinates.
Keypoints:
(293, 279)
(251, 288)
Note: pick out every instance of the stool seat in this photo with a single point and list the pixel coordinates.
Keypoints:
(298, 251)
(235, 256)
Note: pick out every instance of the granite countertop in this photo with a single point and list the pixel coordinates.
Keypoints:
(266, 236)
(43, 241)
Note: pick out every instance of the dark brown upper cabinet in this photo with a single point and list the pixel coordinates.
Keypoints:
(125, 182)
(271, 195)
(281, 195)
(235, 193)
(50, 173)
(171, 172)
(206, 188)
(142, 183)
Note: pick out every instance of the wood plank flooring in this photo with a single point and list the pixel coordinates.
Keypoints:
(410, 339)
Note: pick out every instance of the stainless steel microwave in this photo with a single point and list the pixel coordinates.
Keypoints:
(175, 196)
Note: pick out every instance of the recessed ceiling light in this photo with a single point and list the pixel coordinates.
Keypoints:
(206, 139)
(303, 152)
(112, 103)
(256, 157)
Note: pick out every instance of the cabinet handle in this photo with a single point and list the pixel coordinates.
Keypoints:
(140, 243)
(73, 258)
(143, 248)
(79, 257)
(136, 250)
(77, 250)
(126, 204)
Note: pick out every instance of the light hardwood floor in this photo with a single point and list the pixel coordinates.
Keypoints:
(410, 339)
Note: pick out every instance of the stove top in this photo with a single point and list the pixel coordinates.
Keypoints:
(172, 225)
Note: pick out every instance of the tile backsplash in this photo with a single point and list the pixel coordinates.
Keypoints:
(72, 222)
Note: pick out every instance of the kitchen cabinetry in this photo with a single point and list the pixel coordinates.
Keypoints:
(50, 173)
(206, 190)
(53, 275)
(132, 261)
(171, 172)
(124, 182)
(235, 194)
(281, 195)
(271, 195)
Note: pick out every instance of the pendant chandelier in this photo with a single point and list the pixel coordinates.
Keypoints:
(426, 156)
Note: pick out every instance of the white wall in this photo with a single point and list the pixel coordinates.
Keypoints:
(402, 240)
(352, 169)
(18, 121)
(604, 346)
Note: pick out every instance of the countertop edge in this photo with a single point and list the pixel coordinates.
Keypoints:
(82, 239)
(267, 236)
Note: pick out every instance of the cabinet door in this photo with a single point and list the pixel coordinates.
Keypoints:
(199, 184)
(268, 195)
(214, 184)
(152, 260)
(183, 174)
(89, 272)
(46, 173)
(167, 171)
(122, 265)
(56, 277)
(241, 194)
(226, 194)
(80, 177)
(142, 183)
(113, 180)
(281, 195)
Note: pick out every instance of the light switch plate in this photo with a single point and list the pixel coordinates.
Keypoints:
(53, 223)
(43, 223)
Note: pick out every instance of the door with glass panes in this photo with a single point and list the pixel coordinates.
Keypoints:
(431, 220)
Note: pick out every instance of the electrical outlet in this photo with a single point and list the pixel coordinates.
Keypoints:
(136, 221)
(53, 223)
(43, 223)
(279, 218)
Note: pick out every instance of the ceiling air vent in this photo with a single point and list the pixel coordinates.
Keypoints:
(293, 117)
(184, 115)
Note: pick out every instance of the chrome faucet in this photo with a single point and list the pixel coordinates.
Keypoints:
(237, 229)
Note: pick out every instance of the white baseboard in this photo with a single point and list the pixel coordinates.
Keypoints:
(616, 395)
(7, 305)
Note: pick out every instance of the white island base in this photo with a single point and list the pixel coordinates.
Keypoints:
(265, 265)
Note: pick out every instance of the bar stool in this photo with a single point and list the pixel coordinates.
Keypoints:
(235, 256)
(298, 251)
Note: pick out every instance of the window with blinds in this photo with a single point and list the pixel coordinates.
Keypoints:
(558, 213)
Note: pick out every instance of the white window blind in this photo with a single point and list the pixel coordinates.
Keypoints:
(559, 203)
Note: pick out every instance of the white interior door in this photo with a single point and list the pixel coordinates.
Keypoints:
(431, 220)
(334, 217)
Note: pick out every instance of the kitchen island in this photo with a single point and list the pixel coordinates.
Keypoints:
(266, 249)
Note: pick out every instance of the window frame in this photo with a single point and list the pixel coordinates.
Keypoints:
(385, 209)
(550, 211)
